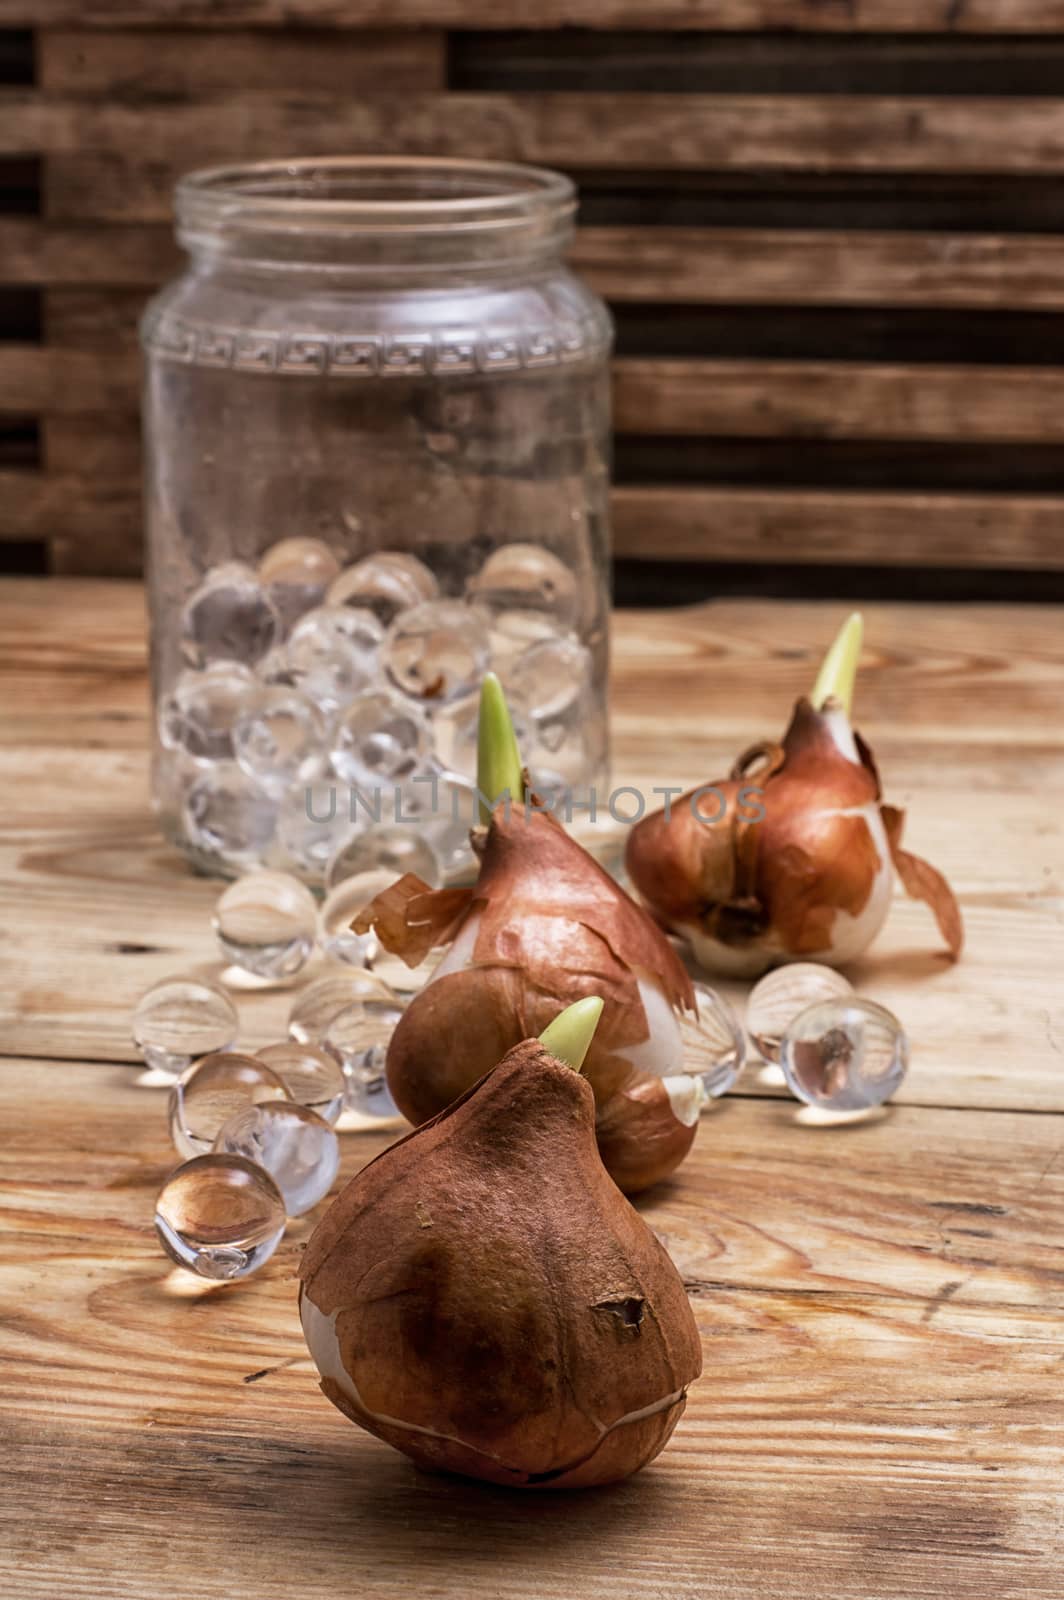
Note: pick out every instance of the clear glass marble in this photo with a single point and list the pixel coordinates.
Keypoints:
(206, 1096)
(333, 652)
(526, 582)
(778, 997)
(314, 1009)
(312, 1077)
(844, 1054)
(359, 1037)
(714, 1045)
(220, 1216)
(387, 848)
(380, 740)
(296, 574)
(550, 682)
(437, 652)
(316, 820)
(372, 863)
(198, 716)
(387, 582)
(441, 809)
(341, 905)
(229, 820)
(278, 738)
(180, 1019)
(266, 924)
(292, 1143)
(229, 617)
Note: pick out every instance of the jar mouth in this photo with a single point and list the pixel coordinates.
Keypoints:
(355, 196)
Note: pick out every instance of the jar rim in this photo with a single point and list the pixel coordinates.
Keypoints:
(371, 194)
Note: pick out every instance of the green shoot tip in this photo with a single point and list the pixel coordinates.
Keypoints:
(569, 1036)
(499, 769)
(839, 671)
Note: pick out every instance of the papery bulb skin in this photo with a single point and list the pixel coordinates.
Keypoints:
(483, 1297)
(544, 926)
(799, 868)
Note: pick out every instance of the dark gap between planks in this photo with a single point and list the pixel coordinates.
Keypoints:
(811, 463)
(841, 333)
(586, 60)
(879, 201)
(639, 583)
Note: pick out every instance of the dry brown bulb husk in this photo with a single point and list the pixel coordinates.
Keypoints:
(543, 926)
(792, 856)
(483, 1297)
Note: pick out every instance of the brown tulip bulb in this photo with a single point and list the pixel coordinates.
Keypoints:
(483, 1298)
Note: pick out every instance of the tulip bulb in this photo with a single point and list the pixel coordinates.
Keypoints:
(483, 1298)
(544, 925)
(800, 864)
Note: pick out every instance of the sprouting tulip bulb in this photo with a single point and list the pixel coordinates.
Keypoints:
(836, 678)
(499, 769)
(569, 1036)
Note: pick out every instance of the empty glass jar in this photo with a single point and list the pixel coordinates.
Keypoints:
(376, 418)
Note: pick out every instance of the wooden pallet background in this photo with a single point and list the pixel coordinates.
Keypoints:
(831, 231)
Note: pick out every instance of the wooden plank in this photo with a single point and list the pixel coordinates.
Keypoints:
(632, 265)
(179, 62)
(761, 399)
(36, 379)
(845, 16)
(840, 400)
(92, 319)
(837, 526)
(44, 254)
(91, 446)
(918, 1249)
(94, 525)
(846, 133)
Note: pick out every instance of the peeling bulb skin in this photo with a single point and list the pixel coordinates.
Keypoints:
(545, 926)
(489, 1323)
(810, 878)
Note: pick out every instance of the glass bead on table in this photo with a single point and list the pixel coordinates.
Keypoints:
(778, 997)
(179, 1020)
(714, 1045)
(311, 1076)
(359, 1037)
(844, 1054)
(206, 1096)
(220, 1216)
(292, 1143)
(314, 1008)
(266, 924)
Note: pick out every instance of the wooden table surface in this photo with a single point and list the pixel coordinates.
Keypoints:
(882, 1304)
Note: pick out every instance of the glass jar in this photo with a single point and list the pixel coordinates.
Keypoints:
(376, 416)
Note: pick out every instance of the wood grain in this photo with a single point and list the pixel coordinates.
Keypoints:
(180, 63)
(634, 264)
(881, 1382)
(847, 133)
(932, 16)
(837, 400)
